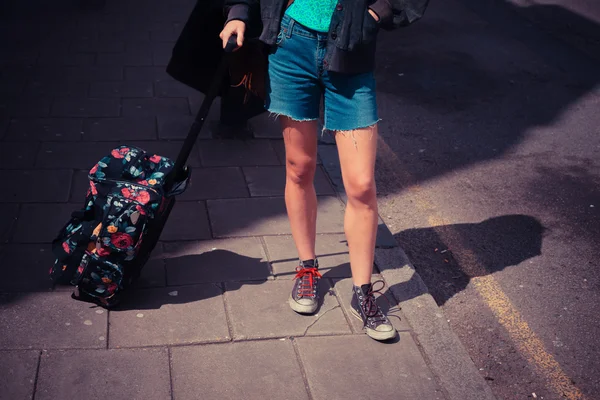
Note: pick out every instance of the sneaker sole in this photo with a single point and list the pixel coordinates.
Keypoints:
(300, 308)
(372, 333)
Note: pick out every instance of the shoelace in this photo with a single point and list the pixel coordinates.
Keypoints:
(369, 304)
(308, 278)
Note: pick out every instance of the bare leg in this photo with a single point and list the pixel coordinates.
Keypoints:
(300, 139)
(357, 150)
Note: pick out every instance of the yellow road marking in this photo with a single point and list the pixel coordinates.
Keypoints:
(525, 340)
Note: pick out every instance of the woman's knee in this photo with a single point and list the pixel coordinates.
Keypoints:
(362, 191)
(301, 170)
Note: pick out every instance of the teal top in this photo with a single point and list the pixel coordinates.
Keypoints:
(313, 14)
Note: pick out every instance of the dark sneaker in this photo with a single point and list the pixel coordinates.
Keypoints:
(366, 309)
(305, 294)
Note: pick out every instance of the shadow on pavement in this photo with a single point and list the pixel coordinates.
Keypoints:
(485, 248)
(456, 91)
(207, 270)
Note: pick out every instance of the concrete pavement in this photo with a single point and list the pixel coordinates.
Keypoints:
(209, 318)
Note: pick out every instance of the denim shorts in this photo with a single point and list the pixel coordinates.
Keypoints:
(298, 81)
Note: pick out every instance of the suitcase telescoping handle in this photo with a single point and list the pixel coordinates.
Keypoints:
(179, 170)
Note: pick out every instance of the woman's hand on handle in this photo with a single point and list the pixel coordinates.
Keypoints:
(235, 27)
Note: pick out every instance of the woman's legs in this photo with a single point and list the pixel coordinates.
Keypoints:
(300, 138)
(296, 85)
(294, 94)
(357, 151)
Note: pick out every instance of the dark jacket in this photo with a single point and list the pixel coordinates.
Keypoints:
(198, 50)
(196, 56)
(352, 32)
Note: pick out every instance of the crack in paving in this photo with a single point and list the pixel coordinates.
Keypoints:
(318, 318)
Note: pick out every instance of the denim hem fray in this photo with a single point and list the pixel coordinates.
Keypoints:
(343, 131)
(276, 115)
(352, 132)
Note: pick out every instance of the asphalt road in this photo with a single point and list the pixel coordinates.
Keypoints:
(489, 177)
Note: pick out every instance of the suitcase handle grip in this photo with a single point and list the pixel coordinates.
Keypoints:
(231, 44)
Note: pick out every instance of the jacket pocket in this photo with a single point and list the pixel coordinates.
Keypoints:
(370, 27)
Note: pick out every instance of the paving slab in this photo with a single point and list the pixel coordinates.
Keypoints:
(178, 126)
(151, 107)
(27, 106)
(385, 239)
(72, 154)
(79, 186)
(132, 57)
(121, 89)
(17, 155)
(153, 274)
(18, 56)
(331, 163)
(130, 33)
(119, 129)
(270, 181)
(97, 46)
(24, 267)
(50, 321)
(216, 183)
(13, 87)
(248, 370)
(174, 89)
(168, 33)
(4, 123)
(261, 310)
(86, 108)
(18, 370)
(161, 54)
(104, 374)
(18, 72)
(332, 251)
(35, 185)
(52, 58)
(326, 137)
(267, 216)
(78, 74)
(44, 129)
(266, 125)
(57, 89)
(169, 316)
(279, 147)
(147, 74)
(8, 219)
(350, 366)
(188, 221)
(40, 223)
(343, 289)
(216, 261)
(196, 98)
(226, 153)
